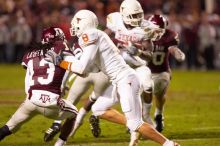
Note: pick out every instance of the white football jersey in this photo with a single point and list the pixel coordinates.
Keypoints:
(99, 50)
(124, 35)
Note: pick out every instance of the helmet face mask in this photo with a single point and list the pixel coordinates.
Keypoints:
(83, 20)
(52, 34)
(72, 30)
(132, 12)
(158, 34)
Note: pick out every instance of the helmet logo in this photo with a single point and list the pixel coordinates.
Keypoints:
(52, 34)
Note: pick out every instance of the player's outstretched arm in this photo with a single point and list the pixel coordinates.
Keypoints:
(177, 53)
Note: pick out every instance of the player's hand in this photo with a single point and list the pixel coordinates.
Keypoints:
(153, 33)
(179, 55)
(53, 57)
(132, 49)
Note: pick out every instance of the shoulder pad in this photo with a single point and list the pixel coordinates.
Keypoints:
(89, 37)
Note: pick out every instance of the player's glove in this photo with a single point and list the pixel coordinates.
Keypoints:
(132, 50)
(53, 57)
(179, 55)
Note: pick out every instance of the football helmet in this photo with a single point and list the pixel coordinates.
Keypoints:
(132, 12)
(52, 34)
(159, 20)
(83, 20)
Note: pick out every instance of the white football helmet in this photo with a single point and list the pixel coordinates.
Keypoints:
(83, 20)
(132, 12)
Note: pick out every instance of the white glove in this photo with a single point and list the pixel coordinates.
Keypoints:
(53, 57)
(179, 55)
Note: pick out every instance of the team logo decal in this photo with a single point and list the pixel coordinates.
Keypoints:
(45, 98)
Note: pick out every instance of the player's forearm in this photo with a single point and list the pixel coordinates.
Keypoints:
(177, 53)
(132, 60)
(77, 68)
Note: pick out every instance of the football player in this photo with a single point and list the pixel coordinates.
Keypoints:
(43, 87)
(132, 34)
(128, 31)
(164, 45)
(99, 50)
(98, 80)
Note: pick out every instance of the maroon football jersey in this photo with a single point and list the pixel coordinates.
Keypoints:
(160, 59)
(44, 75)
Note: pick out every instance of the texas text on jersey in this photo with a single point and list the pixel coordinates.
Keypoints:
(124, 35)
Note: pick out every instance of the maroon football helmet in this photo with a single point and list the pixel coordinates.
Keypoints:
(52, 34)
(159, 20)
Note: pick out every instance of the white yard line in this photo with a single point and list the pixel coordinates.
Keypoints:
(206, 128)
(142, 142)
(196, 139)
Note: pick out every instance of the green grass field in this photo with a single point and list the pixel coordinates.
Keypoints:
(192, 113)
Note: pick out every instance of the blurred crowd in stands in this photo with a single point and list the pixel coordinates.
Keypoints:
(198, 25)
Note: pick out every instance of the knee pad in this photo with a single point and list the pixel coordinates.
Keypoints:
(134, 124)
